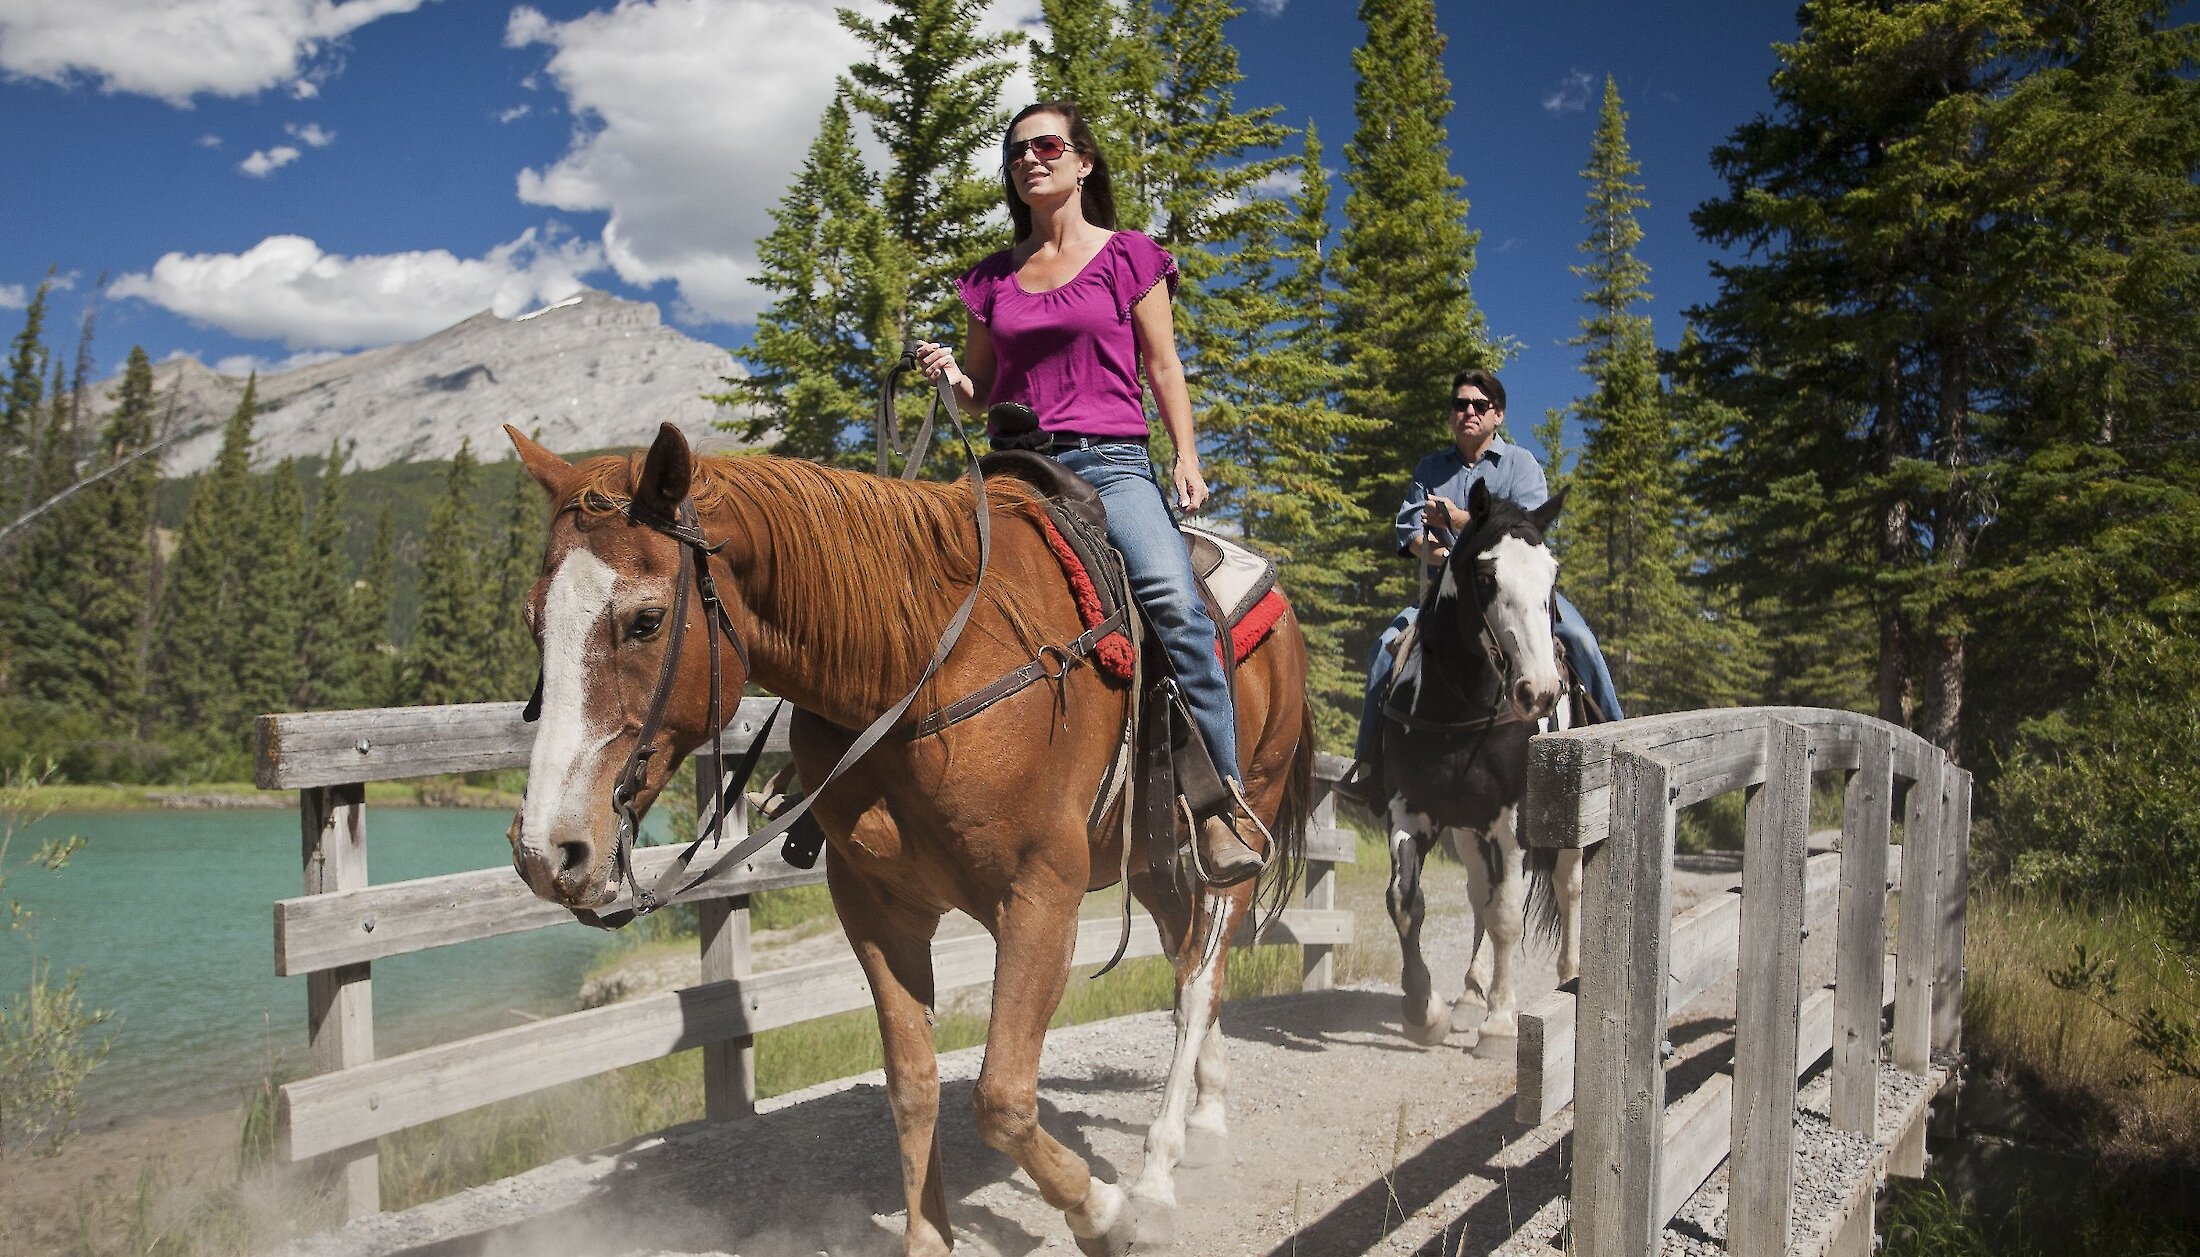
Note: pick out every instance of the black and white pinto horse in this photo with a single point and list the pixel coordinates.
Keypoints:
(1455, 765)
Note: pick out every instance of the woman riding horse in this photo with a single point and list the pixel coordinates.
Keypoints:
(1061, 322)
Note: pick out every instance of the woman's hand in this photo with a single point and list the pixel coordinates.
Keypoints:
(1191, 487)
(934, 359)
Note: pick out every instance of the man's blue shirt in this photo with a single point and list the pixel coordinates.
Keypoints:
(1510, 471)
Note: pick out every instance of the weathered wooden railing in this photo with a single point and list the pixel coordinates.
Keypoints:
(1614, 789)
(342, 924)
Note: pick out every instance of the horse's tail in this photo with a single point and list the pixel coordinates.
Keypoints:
(1544, 916)
(1287, 863)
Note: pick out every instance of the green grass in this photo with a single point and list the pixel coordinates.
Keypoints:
(423, 792)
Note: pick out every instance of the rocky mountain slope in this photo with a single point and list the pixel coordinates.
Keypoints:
(587, 372)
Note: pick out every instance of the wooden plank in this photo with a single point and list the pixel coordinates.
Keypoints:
(1920, 922)
(1955, 886)
(323, 748)
(729, 1066)
(336, 1110)
(1861, 942)
(1545, 1069)
(1761, 1181)
(340, 1002)
(1318, 965)
(1696, 1129)
(1620, 1100)
(321, 932)
(1570, 773)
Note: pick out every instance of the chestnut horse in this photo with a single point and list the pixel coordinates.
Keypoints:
(837, 585)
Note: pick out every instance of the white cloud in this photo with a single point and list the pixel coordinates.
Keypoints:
(210, 140)
(311, 134)
(266, 161)
(1269, 8)
(178, 49)
(14, 296)
(285, 288)
(692, 116)
(1572, 94)
(515, 113)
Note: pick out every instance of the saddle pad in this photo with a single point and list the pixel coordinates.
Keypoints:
(1250, 618)
(1236, 575)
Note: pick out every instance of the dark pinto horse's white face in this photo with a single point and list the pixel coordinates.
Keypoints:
(599, 612)
(1515, 582)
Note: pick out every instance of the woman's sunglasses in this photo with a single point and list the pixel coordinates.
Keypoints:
(1043, 147)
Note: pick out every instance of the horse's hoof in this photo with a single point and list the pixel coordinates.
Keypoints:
(1429, 1034)
(1467, 1018)
(1153, 1223)
(1496, 1047)
(1203, 1145)
(1109, 1216)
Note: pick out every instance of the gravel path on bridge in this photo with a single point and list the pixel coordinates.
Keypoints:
(1345, 1139)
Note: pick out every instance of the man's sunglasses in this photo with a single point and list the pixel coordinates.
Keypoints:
(1479, 405)
(1043, 147)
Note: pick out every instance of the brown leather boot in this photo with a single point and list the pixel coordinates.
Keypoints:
(1224, 848)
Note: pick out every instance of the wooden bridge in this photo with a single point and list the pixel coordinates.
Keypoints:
(1639, 1158)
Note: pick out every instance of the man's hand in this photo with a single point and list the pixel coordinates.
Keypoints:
(1429, 550)
(1442, 512)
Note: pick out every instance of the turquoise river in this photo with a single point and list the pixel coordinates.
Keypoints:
(167, 918)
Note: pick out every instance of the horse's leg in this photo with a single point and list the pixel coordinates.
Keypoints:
(1035, 931)
(1207, 1130)
(1199, 977)
(1426, 1021)
(1497, 876)
(1473, 1003)
(893, 942)
(1566, 884)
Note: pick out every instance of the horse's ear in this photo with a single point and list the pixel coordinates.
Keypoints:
(1544, 514)
(1478, 502)
(549, 471)
(666, 474)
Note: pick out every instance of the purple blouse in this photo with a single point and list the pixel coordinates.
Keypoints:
(1071, 353)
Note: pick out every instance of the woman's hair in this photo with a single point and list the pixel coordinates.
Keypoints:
(1099, 191)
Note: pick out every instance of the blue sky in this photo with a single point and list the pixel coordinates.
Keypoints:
(266, 180)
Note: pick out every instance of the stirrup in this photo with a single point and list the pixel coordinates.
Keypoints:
(807, 839)
(1220, 850)
(1358, 785)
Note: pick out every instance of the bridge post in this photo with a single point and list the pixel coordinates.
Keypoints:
(1619, 1090)
(1319, 972)
(1768, 999)
(340, 1001)
(1955, 883)
(1860, 947)
(1916, 967)
(729, 1066)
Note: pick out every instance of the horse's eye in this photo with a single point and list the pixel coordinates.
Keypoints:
(646, 623)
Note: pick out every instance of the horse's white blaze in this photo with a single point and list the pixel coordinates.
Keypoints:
(566, 741)
(1520, 614)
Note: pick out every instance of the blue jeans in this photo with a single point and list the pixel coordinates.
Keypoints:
(1143, 527)
(1581, 649)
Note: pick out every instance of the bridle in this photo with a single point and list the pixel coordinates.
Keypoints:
(1493, 648)
(696, 553)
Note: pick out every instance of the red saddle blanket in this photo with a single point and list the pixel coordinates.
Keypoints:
(1114, 651)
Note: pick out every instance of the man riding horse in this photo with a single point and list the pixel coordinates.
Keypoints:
(1430, 518)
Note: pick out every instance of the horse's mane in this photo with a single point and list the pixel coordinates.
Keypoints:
(866, 570)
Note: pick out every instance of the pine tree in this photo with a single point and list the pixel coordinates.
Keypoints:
(271, 579)
(19, 416)
(931, 90)
(1628, 564)
(1275, 430)
(511, 656)
(445, 659)
(1101, 56)
(196, 663)
(837, 275)
(327, 664)
(1406, 319)
(375, 662)
(86, 614)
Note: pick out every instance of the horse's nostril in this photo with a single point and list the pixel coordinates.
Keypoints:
(572, 855)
